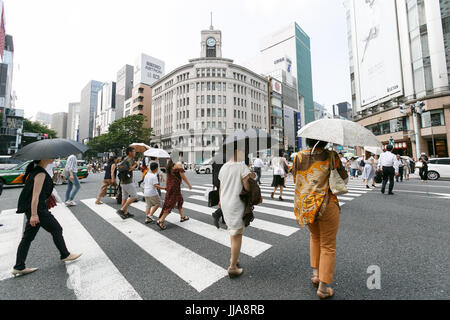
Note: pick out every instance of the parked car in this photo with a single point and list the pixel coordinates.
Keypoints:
(204, 167)
(7, 162)
(437, 168)
(14, 175)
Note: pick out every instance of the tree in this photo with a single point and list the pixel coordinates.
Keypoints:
(36, 127)
(121, 134)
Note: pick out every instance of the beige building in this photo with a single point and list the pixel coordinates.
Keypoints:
(197, 104)
(141, 102)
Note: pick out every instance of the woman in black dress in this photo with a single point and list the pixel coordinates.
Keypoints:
(33, 201)
(423, 171)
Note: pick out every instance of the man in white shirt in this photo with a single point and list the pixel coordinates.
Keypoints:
(257, 165)
(70, 172)
(388, 163)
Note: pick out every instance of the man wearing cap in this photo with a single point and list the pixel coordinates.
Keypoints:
(388, 163)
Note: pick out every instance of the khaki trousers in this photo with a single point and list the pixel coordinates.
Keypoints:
(105, 184)
(323, 234)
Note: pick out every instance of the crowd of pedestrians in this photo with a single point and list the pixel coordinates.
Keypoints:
(315, 206)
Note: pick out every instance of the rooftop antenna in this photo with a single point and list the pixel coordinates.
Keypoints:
(211, 27)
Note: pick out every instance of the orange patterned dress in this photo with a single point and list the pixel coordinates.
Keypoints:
(311, 172)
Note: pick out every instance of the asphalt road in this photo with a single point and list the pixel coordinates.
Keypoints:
(405, 235)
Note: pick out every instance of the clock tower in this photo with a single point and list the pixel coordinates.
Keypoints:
(211, 43)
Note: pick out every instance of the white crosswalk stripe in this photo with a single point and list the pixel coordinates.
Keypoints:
(10, 236)
(94, 271)
(258, 224)
(180, 260)
(93, 276)
(250, 247)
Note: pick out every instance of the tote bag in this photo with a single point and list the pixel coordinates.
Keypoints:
(337, 184)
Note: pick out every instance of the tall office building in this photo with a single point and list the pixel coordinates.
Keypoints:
(6, 72)
(124, 88)
(59, 124)
(342, 110)
(106, 109)
(43, 118)
(88, 107)
(73, 121)
(286, 56)
(399, 54)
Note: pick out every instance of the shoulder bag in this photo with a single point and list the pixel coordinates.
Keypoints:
(337, 184)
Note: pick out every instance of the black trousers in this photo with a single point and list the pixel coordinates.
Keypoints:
(258, 174)
(400, 174)
(388, 174)
(51, 225)
(423, 173)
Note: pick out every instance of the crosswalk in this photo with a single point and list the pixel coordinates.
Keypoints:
(95, 275)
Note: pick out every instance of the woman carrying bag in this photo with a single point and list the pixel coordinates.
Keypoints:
(33, 201)
(318, 208)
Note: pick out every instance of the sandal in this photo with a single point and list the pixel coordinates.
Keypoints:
(325, 295)
(185, 218)
(315, 281)
(161, 225)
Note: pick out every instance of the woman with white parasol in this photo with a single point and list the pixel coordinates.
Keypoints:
(315, 205)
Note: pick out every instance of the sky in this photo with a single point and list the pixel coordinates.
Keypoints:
(61, 45)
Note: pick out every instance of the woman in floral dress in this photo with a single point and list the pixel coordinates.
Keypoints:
(173, 198)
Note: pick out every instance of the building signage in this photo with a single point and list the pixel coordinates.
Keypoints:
(148, 70)
(378, 52)
(276, 87)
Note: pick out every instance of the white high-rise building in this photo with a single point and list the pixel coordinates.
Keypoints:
(73, 121)
(399, 54)
(106, 108)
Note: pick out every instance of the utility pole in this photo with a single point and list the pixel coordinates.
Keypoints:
(415, 109)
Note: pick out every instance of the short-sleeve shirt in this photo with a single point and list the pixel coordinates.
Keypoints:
(149, 185)
(128, 163)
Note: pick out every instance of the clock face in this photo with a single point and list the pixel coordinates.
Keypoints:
(211, 42)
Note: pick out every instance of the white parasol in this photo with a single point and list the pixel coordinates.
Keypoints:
(373, 150)
(341, 132)
(157, 153)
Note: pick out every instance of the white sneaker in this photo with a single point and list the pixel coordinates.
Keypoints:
(73, 203)
(68, 203)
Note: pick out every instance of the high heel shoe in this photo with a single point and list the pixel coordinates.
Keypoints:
(315, 281)
(325, 295)
(23, 272)
(234, 273)
(72, 257)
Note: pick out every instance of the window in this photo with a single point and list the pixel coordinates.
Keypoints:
(224, 86)
(187, 101)
(203, 114)
(198, 100)
(433, 118)
(203, 99)
(208, 113)
(219, 112)
(224, 99)
(208, 72)
(208, 99)
(213, 125)
(235, 113)
(213, 86)
(214, 112)
(219, 86)
(198, 113)
(224, 112)
(213, 73)
(203, 72)
(203, 86)
(213, 99)
(219, 99)
(219, 124)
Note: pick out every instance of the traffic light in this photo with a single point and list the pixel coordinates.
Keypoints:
(420, 107)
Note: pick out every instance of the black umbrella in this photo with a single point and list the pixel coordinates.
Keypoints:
(251, 140)
(50, 149)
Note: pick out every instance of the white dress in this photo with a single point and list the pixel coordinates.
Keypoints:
(369, 171)
(230, 176)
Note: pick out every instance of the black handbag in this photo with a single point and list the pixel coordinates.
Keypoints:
(378, 177)
(213, 198)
